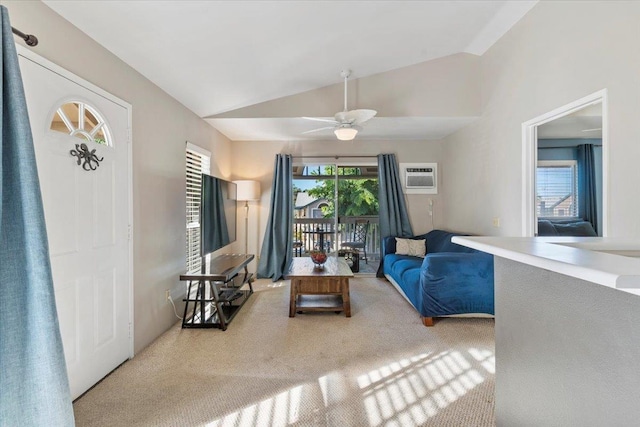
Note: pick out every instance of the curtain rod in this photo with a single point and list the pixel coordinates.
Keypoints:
(335, 157)
(29, 39)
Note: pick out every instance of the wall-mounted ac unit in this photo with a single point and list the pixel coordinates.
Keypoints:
(419, 178)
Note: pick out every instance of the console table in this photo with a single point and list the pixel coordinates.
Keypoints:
(215, 296)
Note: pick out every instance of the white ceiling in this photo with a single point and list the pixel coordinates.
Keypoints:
(218, 56)
(581, 124)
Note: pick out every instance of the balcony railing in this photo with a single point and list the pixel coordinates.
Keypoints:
(303, 242)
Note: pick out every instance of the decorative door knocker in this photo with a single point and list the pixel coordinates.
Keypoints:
(82, 152)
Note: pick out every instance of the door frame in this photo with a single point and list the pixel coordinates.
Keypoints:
(34, 57)
(530, 158)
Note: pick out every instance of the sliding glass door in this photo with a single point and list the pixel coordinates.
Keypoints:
(336, 210)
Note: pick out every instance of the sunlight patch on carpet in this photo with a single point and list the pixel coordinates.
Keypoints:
(279, 284)
(411, 391)
(279, 410)
(486, 358)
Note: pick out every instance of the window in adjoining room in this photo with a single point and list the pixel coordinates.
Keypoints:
(557, 189)
(198, 161)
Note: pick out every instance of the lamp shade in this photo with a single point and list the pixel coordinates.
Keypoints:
(346, 134)
(248, 190)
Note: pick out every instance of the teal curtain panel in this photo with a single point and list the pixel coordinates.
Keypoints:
(277, 246)
(34, 389)
(394, 217)
(587, 187)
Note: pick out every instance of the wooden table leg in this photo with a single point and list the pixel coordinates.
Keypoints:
(292, 298)
(346, 300)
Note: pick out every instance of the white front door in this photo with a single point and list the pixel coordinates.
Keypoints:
(86, 210)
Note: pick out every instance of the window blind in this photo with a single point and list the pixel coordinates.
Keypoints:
(557, 189)
(197, 163)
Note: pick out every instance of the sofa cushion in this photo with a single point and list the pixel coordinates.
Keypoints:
(440, 241)
(455, 283)
(435, 241)
(578, 228)
(396, 265)
(413, 247)
(546, 228)
(565, 228)
(389, 243)
(405, 271)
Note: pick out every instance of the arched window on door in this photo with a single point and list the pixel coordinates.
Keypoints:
(82, 121)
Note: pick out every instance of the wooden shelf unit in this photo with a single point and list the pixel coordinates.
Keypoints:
(215, 296)
(319, 289)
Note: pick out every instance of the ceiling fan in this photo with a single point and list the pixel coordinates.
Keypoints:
(345, 124)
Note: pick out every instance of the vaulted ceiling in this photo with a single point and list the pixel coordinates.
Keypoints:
(254, 68)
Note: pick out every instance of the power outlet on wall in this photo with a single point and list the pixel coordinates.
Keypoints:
(167, 295)
(496, 221)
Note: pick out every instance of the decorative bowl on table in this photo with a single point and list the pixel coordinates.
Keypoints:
(318, 258)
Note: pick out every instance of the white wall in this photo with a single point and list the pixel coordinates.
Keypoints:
(161, 126)
(255, 160)
(558, 53)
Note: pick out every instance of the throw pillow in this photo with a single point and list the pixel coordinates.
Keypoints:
(411, 247)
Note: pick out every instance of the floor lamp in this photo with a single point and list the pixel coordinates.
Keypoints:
(247, 191)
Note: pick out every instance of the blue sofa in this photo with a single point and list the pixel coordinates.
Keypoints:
(450, 280)
(570, 227)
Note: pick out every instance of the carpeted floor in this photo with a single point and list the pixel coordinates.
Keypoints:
(381, 367)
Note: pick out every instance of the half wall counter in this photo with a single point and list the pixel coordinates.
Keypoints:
(567, 329)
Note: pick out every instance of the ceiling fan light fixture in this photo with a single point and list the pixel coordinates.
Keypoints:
(347, 122)
(346, 134)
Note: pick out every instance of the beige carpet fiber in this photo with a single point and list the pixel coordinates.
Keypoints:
(381, 367)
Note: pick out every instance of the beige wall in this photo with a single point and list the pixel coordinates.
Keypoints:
(255, 160)
(444, 87)
(160, 128)
(558, 53)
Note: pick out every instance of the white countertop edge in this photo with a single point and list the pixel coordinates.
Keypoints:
(561, 255)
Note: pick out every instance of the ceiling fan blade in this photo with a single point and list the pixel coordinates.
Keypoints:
(355, 116)
(591, 130)
(319, 129)
(360, 116)
(318, 119)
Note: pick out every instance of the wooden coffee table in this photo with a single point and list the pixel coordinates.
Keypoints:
(325, 289)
